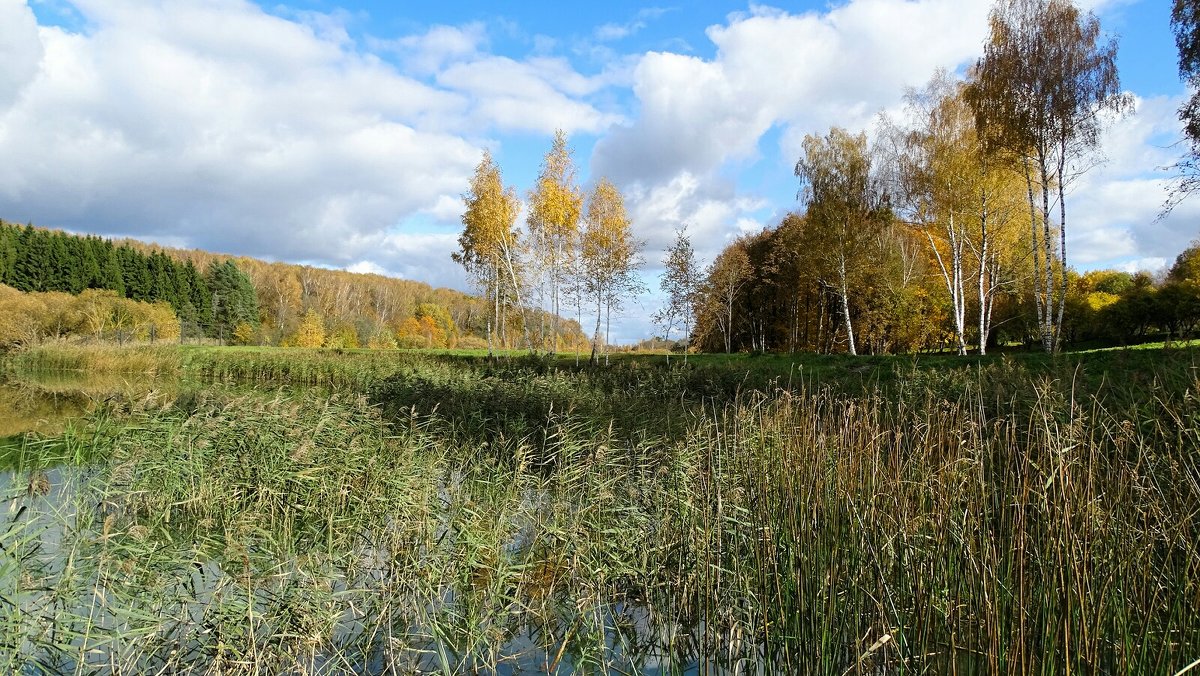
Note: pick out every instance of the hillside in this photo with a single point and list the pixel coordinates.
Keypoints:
(240, 299)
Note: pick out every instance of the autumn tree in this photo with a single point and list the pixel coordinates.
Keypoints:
(555, 206)
(951, 186)
(1039, 93)
(20, 316)
(728, 274)
(610, 255)
(846, 208)
(310, 332)
(680, 281)
(436, 325)
(487, 245)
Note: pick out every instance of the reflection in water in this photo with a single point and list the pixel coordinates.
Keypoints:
(25, 408)
(97, 586)
(43, 402)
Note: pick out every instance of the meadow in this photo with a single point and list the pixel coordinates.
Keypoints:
(242, 510)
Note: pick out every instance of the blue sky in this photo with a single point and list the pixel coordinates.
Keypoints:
(342, 133)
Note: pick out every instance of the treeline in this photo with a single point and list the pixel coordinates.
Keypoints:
(950, 230)
(765, 292)
(230, 299)
(363, 309)
(37, 260)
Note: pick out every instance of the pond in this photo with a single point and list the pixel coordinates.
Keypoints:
(123, 557)
(511, 518)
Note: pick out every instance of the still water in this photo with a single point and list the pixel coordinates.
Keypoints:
(92, 581)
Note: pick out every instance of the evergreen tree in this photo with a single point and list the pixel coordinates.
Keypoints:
(84, 252)
(8, 252)
(29, 273)
(111, 275)
(60, 268)
(136, 274)
(234, 299)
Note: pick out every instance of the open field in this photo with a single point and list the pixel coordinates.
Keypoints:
(266, 510)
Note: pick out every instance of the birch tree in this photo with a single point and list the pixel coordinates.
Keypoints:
(1040, 93)
(610, 255)
(555, 205)
(846, 209)
(729, 273)
(680, 281)
(961, 198)
(489, 239)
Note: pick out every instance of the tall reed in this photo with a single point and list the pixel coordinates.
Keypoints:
(475, 516)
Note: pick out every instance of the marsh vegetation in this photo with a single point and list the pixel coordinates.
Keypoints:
(314, 512)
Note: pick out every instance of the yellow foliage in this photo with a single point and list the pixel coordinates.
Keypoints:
(243, 333)
(409, 333)
(20, 319)
(160, 321)
(344, 336)
(27, 318)
(1098, 300)
(310, 333)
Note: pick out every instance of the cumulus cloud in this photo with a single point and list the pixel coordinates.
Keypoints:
(218, 125)
(709, 206)
(1113, 210)
(20, 49)
(804, 71)
(538, 95)
(797, 73)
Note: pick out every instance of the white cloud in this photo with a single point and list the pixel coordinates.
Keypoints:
(367, 267)
(424, 257)
(235, 129)
(804, 72)
(429, 52)
(20, 49)
(538, 95)
(708, 206)
(1153, 265)
(1113, 209)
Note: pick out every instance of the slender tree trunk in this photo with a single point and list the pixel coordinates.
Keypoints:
(578, 320)
(819, 343)
(952, 277)
(846, 305)
(1049, 328)
(1038, 299)
(729, 324)
(607, 328)
(596, 333)
(495, 314)
(983, 266)
(1062, 248)
(687, 337)
(516, 289)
